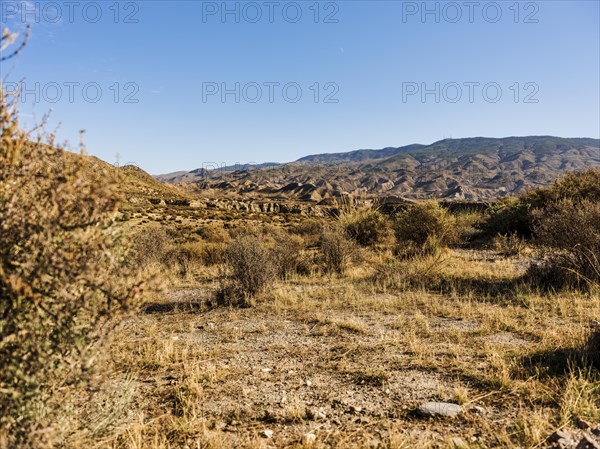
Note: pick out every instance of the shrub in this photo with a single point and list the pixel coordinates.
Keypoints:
(150, 244)
(310, 230)
(515, 215)
(424, 227)
(288, 255)
(510, 216)
(182, 258)
(213, 253)
(509, 245)
(336, 251)
(213, 233)
(252, 271)
(572, 231)
(63, 273)
(366, 226)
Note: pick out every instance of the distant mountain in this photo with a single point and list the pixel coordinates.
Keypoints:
(476, 168)
(358, 155)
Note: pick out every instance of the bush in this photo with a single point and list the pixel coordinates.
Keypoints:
(366, 226)
(150, 244)
(288, 255)
(183, 258)
(336, 251)
(425, 228)
(510, 216)
(252, 271)
(515, 215)
(63, 273)
(213, 233)
(572, 231)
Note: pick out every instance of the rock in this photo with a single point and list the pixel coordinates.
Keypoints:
(588, 442)
(308, 383)
(267, 433)
(266, 370)
(439, 409)
(309, 438)
(582, 424)
(355, 409)
(458, 443)
(320, 415)
(560, 434)
(478, 410)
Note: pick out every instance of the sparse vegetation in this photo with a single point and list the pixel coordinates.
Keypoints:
(424, 228)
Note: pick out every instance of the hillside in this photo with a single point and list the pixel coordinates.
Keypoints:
(464, 169)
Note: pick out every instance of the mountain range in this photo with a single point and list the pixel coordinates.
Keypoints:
(476, 168)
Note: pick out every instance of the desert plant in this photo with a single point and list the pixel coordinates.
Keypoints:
(509, 245)
(63, 272)
(365, 225)
(336, 250)
(213, 233)
(424, 228)
(571, 230)
(252, 270)
(509, 216)
(150, 244)
(515, 215)
(288, 255)
(182, 258)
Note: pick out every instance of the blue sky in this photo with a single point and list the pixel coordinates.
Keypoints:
(530, 68)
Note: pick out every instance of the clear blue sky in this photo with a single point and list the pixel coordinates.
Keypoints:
(373, 52)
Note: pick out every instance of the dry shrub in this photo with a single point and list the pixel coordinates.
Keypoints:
(509, 245)
(289, 256)
(252, 270)
(213, 233)
(213, 253)
(364, 225)
(336, 250)
(183, 258)
(150, 244)
(571, 231)
(424, 228)
(64, 272)
(417, 273)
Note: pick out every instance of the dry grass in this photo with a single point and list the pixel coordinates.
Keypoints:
(349, 363)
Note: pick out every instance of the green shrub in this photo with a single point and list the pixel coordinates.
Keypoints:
(424, 228)
(510, 216)
(366, 226)
(515, 215)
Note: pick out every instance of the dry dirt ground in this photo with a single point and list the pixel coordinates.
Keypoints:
(325, 361)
